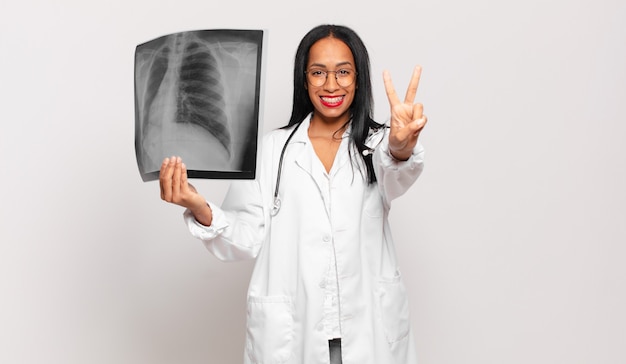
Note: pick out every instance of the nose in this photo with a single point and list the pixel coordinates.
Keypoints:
(331, 81)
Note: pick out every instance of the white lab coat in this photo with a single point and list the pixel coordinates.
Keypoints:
(321, 214)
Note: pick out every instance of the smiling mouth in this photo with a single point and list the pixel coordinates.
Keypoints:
(332, 101)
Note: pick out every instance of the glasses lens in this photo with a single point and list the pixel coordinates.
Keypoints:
(316, 77)
(344, 77)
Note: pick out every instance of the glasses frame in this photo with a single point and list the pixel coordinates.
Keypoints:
(326, 72)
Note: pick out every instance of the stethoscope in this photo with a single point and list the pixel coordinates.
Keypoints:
(374, 138)
(276, 204)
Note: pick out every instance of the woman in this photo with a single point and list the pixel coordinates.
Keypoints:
(326, 285)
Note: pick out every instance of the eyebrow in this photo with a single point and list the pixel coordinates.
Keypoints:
(340, 64)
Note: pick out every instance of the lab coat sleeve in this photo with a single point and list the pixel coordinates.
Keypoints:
(396, 177)
(238, 227)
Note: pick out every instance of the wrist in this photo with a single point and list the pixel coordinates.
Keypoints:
(400, 155)
(203, 214)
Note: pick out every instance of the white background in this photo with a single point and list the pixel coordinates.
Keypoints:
(512, 243)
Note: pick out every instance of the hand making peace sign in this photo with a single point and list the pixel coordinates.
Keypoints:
(407, 118)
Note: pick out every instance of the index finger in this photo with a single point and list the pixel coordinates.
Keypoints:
(415, 81)
(391, 92)
(165, 178)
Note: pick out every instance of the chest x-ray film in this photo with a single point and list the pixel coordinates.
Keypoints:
(197, 97)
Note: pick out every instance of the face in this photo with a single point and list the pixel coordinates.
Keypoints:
(331, 101)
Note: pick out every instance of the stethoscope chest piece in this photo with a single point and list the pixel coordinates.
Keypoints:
(275, 206)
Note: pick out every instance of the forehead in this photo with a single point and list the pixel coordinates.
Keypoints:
(330, 52)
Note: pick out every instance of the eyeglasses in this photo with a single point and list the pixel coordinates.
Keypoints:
(318, 77)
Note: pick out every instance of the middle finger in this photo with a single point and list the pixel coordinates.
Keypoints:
(412, 89)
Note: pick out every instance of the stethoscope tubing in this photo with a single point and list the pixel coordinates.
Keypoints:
(276, 204)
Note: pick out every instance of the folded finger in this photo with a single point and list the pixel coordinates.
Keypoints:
(418, 111)
(420, 123)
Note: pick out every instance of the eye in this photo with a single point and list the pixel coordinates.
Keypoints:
(317, 73)
(344, 72)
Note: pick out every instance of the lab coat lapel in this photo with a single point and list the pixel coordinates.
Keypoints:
(342, 156)
(309, 162)
(304, 159)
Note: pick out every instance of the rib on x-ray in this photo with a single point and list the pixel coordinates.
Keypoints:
(197, 96)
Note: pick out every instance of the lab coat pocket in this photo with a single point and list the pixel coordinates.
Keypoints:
(270, 329)
(394, 306)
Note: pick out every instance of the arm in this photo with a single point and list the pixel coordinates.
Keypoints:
(394, 177)
(399, 160)
(234, 233)
(238, 228)
(177, 190)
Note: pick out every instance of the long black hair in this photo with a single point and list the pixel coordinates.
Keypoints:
(363, 104)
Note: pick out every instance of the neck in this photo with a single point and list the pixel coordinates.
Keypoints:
(325, 127)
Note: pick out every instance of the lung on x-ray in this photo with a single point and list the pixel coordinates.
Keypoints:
(197, 97)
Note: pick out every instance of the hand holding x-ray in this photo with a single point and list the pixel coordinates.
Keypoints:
(177, 190)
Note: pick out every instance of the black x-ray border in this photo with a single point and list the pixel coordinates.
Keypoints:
(152, 176)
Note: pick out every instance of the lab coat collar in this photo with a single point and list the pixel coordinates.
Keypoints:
(301, 135)
(304, 158)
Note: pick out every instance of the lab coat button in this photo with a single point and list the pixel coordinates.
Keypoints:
(326, 238)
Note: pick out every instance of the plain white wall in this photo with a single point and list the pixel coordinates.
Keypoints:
(512, 242)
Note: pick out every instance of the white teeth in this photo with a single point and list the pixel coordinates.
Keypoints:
(332, 100)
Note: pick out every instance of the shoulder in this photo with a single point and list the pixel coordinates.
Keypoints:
(276, 137)
(274, 141)
(279, 134)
